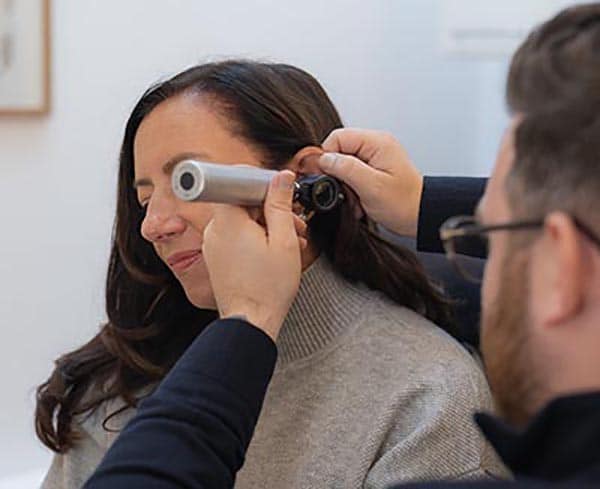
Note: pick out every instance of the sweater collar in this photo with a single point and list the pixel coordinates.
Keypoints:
(326, 306)
(561, 441)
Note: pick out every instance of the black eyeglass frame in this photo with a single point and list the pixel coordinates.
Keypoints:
(449, 232)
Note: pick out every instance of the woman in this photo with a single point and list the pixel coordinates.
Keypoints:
(367, 390)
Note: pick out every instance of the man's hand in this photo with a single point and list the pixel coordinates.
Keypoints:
(255, 272)
(378, 169)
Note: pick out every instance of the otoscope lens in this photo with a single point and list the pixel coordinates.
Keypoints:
(324, 194)
(187, 181)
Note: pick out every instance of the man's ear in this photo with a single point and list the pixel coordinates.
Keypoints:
(564, 262)
(305, 161)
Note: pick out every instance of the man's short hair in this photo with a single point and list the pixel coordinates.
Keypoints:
(554, 84)
(558, 61)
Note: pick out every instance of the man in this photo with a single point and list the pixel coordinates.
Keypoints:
(541, 297)
(541, 291)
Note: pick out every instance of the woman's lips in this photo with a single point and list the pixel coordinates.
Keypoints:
(180, 262)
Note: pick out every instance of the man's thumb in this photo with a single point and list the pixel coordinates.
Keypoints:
(348, 169)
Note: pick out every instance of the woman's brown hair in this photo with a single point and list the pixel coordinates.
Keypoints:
(278, 109)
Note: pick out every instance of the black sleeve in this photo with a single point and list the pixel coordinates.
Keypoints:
(193, 431)
(444, 197)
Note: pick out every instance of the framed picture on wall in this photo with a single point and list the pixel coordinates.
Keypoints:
(24, 56)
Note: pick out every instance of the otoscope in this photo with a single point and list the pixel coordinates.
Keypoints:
(194, 180)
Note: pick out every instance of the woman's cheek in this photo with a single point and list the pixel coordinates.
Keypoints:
(198, 290)
(196, 215)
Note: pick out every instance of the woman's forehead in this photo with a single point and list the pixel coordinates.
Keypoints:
(176, 120)
(185, 124)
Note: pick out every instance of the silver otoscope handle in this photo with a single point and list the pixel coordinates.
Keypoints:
(247, 186)
(194, 180)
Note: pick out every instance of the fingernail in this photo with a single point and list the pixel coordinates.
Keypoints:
(327, 161)
(285, 180)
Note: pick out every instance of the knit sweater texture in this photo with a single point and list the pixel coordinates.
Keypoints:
(366, 393)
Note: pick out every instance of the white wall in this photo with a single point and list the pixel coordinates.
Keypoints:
(380, 61)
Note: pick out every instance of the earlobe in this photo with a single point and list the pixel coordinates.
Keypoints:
(305, 161)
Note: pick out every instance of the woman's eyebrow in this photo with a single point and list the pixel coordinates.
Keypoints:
(170, 164)
(142, 182)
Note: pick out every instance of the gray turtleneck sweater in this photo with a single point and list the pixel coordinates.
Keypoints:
(365, 393)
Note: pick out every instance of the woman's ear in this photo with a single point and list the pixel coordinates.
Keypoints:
(305, 161)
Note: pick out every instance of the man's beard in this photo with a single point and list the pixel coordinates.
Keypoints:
(506, 343)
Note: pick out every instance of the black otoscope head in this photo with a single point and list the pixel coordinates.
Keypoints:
(318, 193)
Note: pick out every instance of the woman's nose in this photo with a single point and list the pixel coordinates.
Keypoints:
(162, 222)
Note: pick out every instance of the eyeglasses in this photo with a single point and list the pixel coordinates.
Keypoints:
(464, 238)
